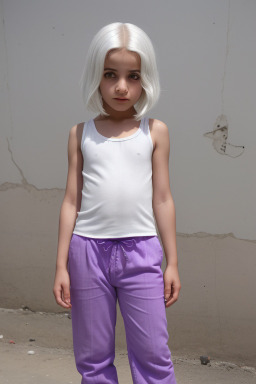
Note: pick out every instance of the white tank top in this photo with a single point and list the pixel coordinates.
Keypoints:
(117, 184)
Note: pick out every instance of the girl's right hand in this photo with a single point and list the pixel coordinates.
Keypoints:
(61, 289)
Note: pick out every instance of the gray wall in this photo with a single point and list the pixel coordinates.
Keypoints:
(206, 58)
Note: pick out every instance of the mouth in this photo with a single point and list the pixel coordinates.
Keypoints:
(119, 98)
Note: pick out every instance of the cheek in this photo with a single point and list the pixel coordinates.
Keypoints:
(139, 90)
(106, 89)
(103, 86)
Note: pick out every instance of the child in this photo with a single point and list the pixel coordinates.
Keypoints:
(108, 247)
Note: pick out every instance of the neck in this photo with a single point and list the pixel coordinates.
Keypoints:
(118, 115)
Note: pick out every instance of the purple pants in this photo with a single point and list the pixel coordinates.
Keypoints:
(102, 270)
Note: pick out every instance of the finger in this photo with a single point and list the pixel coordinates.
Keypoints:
(172, 299)
(59, 300)
(66, 297)
(66, 294)
(169, 302)
(167, 292)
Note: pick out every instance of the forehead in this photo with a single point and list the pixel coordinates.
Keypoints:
(124, 58)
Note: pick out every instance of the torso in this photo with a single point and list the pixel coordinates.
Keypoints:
(115, 178)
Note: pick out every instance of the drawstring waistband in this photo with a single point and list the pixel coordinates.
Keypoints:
(108, 243)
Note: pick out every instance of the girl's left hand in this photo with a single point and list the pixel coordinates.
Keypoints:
(172, 284)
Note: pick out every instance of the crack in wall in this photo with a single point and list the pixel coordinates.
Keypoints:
(226, 57)
(24, 183)
(6, 65)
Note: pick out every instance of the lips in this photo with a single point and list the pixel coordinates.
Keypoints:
(119, 98)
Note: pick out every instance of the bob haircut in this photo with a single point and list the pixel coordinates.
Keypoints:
(116, 36)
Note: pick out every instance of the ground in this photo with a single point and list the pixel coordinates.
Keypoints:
(53, 359)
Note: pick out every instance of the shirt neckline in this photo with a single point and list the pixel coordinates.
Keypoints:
(117, 138)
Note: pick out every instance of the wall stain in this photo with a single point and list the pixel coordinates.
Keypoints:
(219, 137)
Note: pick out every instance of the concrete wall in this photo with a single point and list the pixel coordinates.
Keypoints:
(207, 59)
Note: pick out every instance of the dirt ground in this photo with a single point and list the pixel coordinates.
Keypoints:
(52, 362)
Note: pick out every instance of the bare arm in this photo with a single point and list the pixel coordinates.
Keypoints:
(163, 204)
(164, 209)
(68, 213)
(166, 222)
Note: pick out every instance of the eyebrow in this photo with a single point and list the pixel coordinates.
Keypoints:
(112, 69)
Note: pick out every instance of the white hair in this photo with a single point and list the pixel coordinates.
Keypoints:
(114, 36)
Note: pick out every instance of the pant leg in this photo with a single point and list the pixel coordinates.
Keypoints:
(141, 299)
(93, 312)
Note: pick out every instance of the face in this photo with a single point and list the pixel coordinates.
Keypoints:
(121, 79)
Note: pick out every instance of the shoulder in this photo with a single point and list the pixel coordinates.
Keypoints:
(76, 129)
(159, 131)
(75, 134)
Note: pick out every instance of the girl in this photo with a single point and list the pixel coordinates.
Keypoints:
(108, 247)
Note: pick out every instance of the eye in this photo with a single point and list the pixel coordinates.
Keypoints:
(108, 73)
(135, 74)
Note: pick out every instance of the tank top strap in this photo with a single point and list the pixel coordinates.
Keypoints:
(146, 131)
(84, 134)
(144, 125)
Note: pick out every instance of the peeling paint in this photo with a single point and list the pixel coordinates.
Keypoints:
(219, 137)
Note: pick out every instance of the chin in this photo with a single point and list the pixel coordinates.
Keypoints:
(120, 106)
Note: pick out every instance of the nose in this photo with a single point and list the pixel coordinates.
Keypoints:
(121, 86)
